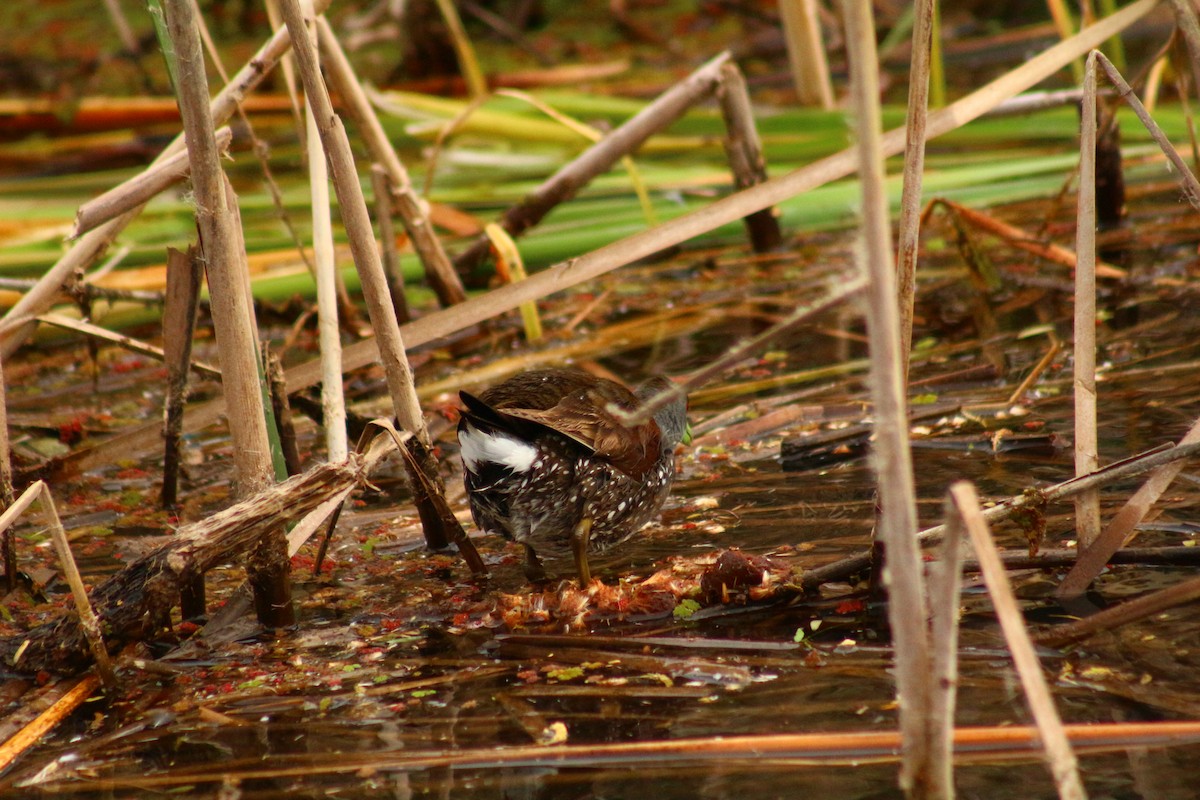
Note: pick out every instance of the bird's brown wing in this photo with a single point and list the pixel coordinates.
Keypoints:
(584, 418)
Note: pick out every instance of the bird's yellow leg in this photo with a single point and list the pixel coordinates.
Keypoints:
(580, 538)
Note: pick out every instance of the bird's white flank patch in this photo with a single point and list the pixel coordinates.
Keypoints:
(478, 447)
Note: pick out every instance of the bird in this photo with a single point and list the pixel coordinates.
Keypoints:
(547, 463)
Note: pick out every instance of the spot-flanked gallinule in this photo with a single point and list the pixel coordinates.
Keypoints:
(548, 466)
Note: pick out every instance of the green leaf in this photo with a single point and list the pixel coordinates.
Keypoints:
(685, 609)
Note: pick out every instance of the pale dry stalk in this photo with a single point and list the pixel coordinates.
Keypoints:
(353, 208)
(231, 308)
(897, 524)
(1059, 753)
(333, 403)
(909, 232)
(1087, 459)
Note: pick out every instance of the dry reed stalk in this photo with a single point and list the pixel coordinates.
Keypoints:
(374, 283)
(87, 617)
(624, 140)
(1149, 605)
(1018, 238)
(892, 462)
(1087, 458)
(909, 230)
(1113, 473)
(945, 583)
(140, 189)
(588, 132)
(8, 548)
(131, 601)
(415, 214)
(1188, 182)
(38, 492)
(743, 148)
(89, 247)
(1008, 742)
(262, 150)
(231, 309)
(288, 67)
(281, 410)
(179, 320)
(605, 259)
(1043, 363)
(120, 340)
(1123, 526)
(48, 720)
(333, 403)
(1185, 18)
(388, 251)
(806, 52)
(1061, 757)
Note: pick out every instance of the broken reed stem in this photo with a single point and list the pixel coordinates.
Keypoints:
(231, 309)
(333, 403)
(1008, 742)
(357, 222)
(8, 547)
(353, 208)
(1018, 238)
(1087, 459)
(1123, 526)
(600, 157)
(89, 247)
(1043, 363)
(1185, 18)
(288, 67)
(39, 492)
(1113, 473)
(121, 340)
(133, 599)
(282, 411)
(87, 618)
(1191, 187)
(260, 148)
(179, 319)
(510, 267)
(1063, 765)
(806, 53)
(139, 190)
(743, 149)
(180, 304)
(1123, 613)
(909, 231)
(28, 736)
(892, 462)
(944, 584)
(388, 252)
(439, 270)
